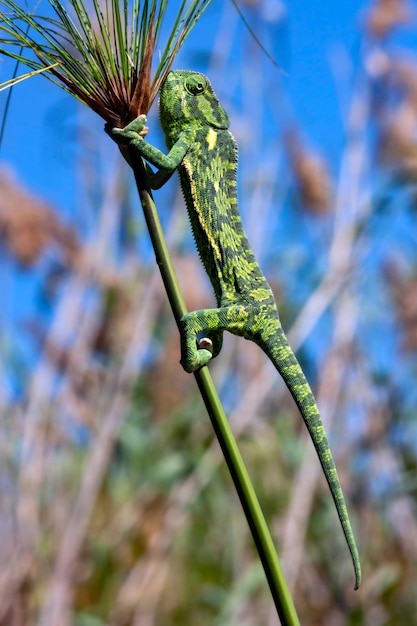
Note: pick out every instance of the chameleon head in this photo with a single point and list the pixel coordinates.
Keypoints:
(188, 97)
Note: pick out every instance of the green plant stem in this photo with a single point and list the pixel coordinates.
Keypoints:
(261, 535)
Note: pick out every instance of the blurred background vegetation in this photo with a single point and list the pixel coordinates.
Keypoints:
(115, 505)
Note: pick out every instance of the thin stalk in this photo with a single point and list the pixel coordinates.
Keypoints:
(253, 512)
(108, 67)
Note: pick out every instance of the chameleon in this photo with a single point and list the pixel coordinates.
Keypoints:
(204, 151)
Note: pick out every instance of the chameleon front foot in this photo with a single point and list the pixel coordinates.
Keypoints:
(129, 132)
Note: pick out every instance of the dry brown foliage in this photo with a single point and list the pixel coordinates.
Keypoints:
(386, 15)
(311, 176)
(29, 226)
(404, 291)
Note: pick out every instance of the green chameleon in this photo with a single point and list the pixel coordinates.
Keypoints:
(205, 153)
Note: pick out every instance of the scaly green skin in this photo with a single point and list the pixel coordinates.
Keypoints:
(205, 153)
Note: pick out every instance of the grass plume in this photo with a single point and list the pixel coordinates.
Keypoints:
(101, 52)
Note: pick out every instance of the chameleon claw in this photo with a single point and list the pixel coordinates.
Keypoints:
(205, 344)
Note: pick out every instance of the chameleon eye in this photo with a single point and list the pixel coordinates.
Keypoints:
(196, 85)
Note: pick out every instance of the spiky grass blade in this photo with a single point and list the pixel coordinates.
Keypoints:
(18, 79)
(102, 52)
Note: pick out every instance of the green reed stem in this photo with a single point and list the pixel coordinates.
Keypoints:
(255, 518)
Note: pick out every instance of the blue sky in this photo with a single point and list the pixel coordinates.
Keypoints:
(316, 43)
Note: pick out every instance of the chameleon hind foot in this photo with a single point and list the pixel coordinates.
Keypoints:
(197, 347)
(198, 358)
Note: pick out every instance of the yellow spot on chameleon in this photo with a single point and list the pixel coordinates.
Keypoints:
(211, 138)
(197, 208)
